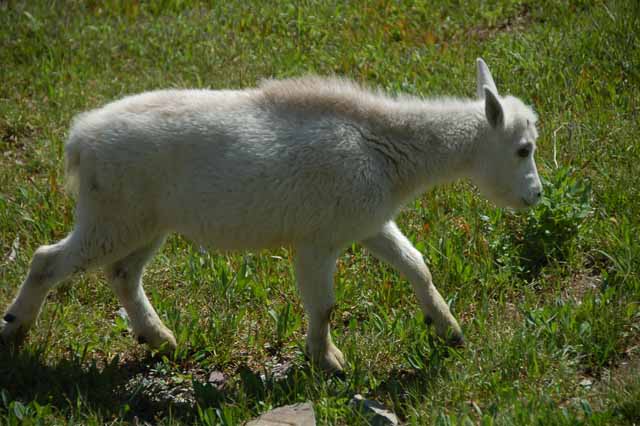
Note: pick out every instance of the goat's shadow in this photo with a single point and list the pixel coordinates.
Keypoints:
(70, 384)
(139, 388)
(128, 389)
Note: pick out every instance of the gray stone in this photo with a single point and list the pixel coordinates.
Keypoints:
(217, 379)
(375, 413)
(289, 415)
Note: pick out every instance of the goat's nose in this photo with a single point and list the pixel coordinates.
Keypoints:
(539, 194)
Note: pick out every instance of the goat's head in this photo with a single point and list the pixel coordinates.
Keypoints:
(504, 169)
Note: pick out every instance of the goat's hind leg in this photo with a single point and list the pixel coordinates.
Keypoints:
(85, 248)
(90, 245)
(125, 279)
(50, 264)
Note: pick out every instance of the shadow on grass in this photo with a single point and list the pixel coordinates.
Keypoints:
(146, 388)
(151, 390)
(70, 385)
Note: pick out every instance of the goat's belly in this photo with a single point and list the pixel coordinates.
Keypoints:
(269, 230)
(251, 216)
(228, 238)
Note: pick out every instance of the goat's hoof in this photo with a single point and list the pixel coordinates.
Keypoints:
(331, 360)
(160, 339)
(456, 341)
(12, 332)
(451, 335)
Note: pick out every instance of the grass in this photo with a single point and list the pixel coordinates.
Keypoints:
(549, 299)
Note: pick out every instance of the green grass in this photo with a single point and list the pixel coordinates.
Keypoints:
(549, 299)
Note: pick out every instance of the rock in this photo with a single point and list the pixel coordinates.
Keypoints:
(277, 371)
(281, 371)
(375, 413)
(586, 383)
(11, 257)
(161, 388)
(217, 379)
(289, 415)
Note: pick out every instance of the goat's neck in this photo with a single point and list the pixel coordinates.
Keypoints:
(435, 144)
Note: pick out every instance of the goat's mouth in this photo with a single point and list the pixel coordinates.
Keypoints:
(519, 206)
(526, 202)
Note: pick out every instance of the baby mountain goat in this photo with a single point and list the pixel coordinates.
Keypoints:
(311, 163)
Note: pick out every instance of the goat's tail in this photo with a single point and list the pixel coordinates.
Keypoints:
(72, 168)
(73, 151)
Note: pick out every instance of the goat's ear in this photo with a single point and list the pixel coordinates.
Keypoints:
(483, 78)
(492, 107)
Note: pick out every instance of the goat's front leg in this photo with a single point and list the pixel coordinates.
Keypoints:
(314, 271)
(393, 247)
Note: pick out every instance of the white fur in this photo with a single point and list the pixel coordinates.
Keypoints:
(313, 163)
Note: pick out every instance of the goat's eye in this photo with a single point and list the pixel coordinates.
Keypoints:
(523, 152)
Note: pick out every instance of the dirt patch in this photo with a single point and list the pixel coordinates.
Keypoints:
(616, 386)
(14, 142)
(518, 22)
(581, 285)
(12, 135)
